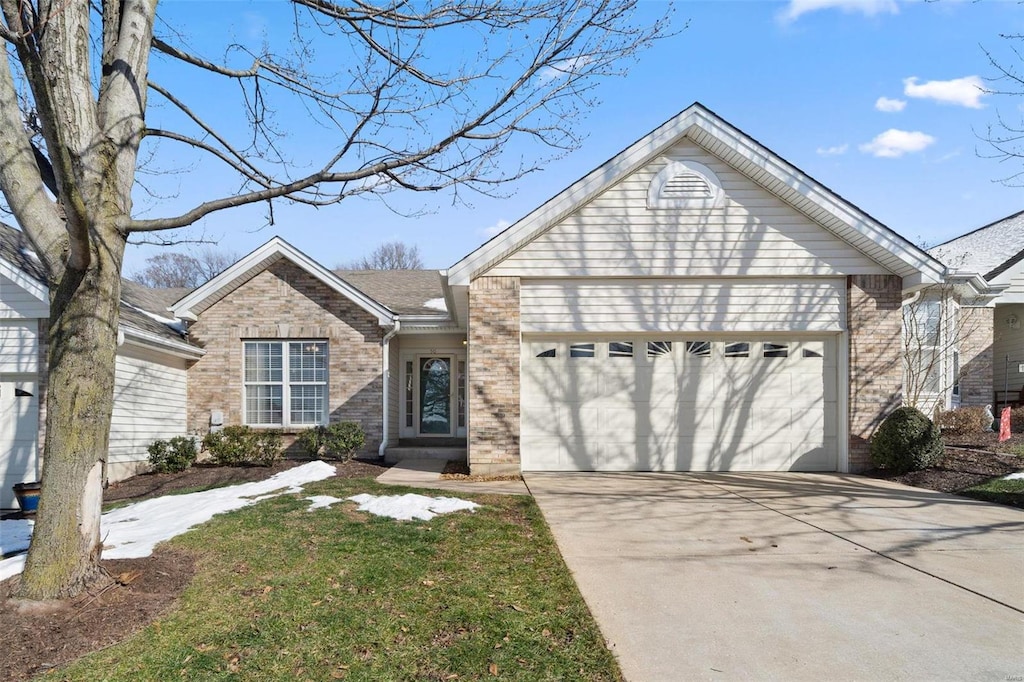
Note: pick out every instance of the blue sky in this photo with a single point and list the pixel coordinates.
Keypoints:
(877, 99)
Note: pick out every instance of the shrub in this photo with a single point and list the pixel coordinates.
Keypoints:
(341, 440)
(964, 421)
(176, 454)
(241, 445)
(1017, 420)
(906, 441)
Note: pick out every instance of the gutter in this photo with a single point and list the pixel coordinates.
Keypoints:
(152, 341)
(386, 345)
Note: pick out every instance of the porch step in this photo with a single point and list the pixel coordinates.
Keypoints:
(400, 452)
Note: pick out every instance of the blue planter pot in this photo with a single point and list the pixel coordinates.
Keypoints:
(28, 497)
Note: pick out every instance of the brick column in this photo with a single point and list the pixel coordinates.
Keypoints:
(975, 329)
(875, 324)
(493, 369)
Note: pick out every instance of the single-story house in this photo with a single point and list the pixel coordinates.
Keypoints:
(695, 303)
(991, 371)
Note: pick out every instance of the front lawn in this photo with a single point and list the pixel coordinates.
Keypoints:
(283, 593)
(1000, 490)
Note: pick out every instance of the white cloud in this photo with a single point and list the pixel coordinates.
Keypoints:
(796, 8)
(832, 151)
(894, 143)
(495, 229)
(889, 105)
(565, 67)
(965, 92)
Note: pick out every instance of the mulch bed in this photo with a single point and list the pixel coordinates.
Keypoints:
(458, 470)
(203, 476)
(37, 640)
(969, 460)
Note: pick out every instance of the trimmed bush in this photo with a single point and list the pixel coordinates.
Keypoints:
(176, 454)
(964, 421)
(906, 441)
(1016, 420)
(241, 445)
(341, 440)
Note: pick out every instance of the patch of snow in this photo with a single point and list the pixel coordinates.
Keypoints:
(132, 531)
(322, 501)
(29, 253)
(15, 535)
(410, 506)
(436, 304)
(172, 322)
(1013, 477)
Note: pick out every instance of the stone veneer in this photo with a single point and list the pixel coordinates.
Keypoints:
(493, 364)
(975, 329)
(286, 302)
(875, 323)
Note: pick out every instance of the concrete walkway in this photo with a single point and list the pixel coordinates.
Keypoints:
(426, 473)
(792, 576)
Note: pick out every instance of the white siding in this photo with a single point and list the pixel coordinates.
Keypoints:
(15, 302)
(19, 346)
(1008, 342)
(1014, 277)
(149, 402)
(752, 234)
(816, 305)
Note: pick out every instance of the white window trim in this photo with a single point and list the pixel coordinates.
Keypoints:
(286, 411)
(671, 170)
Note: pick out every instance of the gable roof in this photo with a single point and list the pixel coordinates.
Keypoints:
(191, 304)
(989, 250)
(143, 310)
(407, 292)
(746, 155)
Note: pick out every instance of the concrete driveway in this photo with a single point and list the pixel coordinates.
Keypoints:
(792, 576)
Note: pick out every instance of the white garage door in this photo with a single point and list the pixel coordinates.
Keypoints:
(679, 404)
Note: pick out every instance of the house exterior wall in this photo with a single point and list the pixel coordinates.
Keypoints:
(493, 364)
(149, 404)
(684, 305)
(286, 302)
(875, 323)
(1007, 342)
(976, 350)
(394, 394)
(753, 233)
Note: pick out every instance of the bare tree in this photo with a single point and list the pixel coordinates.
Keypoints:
(392, 116)
(1005, 137)
(389, 256)
(186, 270)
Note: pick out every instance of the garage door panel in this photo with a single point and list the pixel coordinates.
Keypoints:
(696, 386)
(814, 457)
(686, 409)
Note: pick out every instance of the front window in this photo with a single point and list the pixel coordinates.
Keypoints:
(285, 383)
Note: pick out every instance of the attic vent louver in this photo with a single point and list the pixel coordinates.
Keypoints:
(685, 184)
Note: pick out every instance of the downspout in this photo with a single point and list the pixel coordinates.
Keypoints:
(386, 344)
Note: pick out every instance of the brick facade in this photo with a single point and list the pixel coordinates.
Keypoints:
(976, 331)
(493, 363)
(875, 323)
(284, 301)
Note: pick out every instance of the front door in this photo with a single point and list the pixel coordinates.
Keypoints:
(435, 399)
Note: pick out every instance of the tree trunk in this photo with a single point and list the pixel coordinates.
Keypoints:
(64, 555)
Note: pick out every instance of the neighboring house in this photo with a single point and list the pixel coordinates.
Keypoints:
(991, 360)
(150, 380)
(696, 303)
